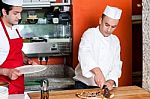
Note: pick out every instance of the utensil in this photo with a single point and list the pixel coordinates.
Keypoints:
(106, 92)
(27, 69)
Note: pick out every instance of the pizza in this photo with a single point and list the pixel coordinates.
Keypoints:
(99, 94)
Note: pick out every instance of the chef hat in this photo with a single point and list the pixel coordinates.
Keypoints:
(13, 2)
(112, 12)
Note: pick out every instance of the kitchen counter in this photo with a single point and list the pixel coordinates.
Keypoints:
(54, 84)
(19, 96)
(125, 92)
(59, 77)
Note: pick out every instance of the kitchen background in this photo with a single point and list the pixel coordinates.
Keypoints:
(52, 29)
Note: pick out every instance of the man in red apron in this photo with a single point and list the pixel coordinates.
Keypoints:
(11, 55)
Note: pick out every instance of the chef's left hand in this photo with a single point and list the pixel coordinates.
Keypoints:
(109, 84)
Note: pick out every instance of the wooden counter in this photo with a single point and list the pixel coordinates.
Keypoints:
(126, 92)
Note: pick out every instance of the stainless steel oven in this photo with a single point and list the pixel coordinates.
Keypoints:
(53, 47)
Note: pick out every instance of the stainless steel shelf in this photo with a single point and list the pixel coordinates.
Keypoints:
(43, 4)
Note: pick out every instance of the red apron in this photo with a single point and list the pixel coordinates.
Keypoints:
(13, 60)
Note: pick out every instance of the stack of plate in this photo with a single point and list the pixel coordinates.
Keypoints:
(3, 92)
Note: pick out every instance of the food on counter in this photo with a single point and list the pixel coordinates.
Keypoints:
(99, 94)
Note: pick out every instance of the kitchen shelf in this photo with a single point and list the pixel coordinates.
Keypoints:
(60, 4)
(43, 4)
(36, 4)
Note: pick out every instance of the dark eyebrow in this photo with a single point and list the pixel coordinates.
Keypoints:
(107, 24)
(17, 12)
(111, 26)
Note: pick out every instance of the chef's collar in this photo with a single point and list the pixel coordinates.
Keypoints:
(100, 33)
(14, 27)
(13, 2)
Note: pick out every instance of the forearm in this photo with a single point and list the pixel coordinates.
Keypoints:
(96, 71)
(99, 77)
(4, 71)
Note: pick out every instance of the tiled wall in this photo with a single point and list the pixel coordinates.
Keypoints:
(146, 44)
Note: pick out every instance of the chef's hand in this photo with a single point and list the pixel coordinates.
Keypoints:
(13, 74)
(110, 84)
(99, 77)
(99, 80)
(31, 62)
(28, 61)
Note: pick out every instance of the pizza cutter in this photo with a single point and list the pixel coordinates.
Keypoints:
(106, 93)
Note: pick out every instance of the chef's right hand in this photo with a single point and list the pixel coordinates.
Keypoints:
(99, 80)
(13, 74)
(99, 77)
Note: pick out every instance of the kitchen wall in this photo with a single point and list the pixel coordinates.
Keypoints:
(86, 14)
(146, 44)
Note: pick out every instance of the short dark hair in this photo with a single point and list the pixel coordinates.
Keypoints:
(103, 15)
(6, 7)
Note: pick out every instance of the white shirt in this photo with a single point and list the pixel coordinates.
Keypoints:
(4, 43)
(95, 50)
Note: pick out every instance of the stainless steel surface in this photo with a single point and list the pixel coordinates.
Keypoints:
(37, 3)
(45, 4)
(59, 77)
(52, 46)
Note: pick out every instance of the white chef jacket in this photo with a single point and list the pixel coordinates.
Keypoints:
(95, 50)
(4, 43)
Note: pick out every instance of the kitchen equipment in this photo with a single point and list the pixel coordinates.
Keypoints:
(38, 39)
(42, 20)
(55, 20)
(27, 69)
(53, 47)
(32, 21)
(64, 17)
(44, 89)
(50, 17)
(32, 17)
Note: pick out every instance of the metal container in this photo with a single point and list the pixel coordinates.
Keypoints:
(44, 89)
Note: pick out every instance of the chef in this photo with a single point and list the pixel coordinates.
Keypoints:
(99, 53)
(11, 55)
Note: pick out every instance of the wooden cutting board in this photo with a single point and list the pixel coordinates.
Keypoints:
(126, 92)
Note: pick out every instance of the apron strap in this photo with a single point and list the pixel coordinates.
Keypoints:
(18, 33)
(4, 28)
